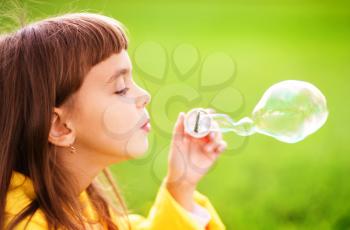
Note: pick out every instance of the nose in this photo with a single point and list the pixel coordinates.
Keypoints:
(143, 100)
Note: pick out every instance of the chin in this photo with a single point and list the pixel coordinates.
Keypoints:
(137, 146)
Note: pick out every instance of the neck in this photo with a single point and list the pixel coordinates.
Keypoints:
(83, 165)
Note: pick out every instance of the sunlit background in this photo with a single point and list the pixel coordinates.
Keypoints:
(224, 55)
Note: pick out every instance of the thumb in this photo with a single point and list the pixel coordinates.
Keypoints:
(179, 128)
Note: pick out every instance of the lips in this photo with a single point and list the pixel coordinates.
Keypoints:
(145, 123)
(147, 126)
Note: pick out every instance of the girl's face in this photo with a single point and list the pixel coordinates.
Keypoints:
(110, 111)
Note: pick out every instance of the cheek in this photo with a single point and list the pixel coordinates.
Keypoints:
(112, 128)
(121, 124)
(120, 120)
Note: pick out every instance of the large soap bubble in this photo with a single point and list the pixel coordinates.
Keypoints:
(288, 111)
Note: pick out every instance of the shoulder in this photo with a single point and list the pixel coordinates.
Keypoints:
(19, 196)
(15, 204)
(20, 193)
(35, 222)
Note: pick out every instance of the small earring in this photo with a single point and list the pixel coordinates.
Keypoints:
(72, 149)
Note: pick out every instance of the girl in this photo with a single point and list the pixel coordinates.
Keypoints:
(69, 109)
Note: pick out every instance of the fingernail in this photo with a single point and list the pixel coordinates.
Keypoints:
(211, 135)
(222, 148)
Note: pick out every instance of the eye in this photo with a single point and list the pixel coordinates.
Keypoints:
(122, 92)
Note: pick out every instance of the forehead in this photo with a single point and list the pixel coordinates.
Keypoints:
(110, 66)
(117, 61)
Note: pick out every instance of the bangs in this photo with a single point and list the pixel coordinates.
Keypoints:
(89, 37)
(66, 47)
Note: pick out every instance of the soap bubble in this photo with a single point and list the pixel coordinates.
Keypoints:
(288, 111)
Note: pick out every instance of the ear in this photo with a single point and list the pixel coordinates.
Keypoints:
(61, 131)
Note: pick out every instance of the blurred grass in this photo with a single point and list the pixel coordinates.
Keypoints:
(268, 184)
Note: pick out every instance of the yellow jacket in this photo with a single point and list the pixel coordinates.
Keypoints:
(165, 214)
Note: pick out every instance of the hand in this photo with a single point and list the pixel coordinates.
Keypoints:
(189, 160)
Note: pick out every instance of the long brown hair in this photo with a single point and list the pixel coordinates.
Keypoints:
(41, 65)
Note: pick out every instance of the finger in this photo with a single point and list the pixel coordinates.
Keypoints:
(211, 136)
(210, 147)
(215, 127)
(179, 131)
(218, 136)
(215, 146)
(221, 147)
(214, 137)
(206, 139)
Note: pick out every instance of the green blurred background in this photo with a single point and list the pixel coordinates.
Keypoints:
(258, 183)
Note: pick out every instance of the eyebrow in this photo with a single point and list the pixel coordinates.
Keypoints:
(117, 74)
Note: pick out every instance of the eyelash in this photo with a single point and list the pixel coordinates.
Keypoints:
(123, 91)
